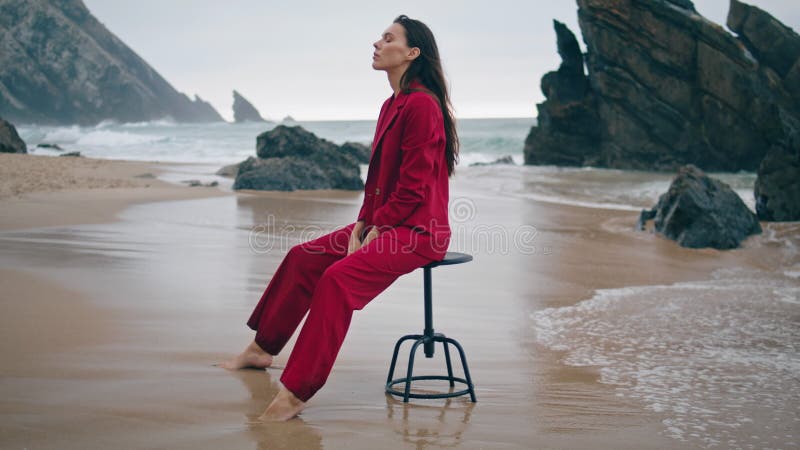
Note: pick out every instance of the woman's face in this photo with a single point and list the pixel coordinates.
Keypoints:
(392, 51)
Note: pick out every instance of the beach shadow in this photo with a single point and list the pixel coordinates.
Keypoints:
(428, 425)
(294, 434)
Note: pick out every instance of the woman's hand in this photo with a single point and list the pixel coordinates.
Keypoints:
(373, 233)
(355, 237)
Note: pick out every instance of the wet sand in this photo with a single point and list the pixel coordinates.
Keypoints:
(113, 320)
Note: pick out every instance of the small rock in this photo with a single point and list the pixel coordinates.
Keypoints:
(51, 146)
(195, 183)
(502, 160)
(71, 154)
(698, 211)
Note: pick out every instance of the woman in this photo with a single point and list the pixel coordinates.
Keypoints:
(402, 225)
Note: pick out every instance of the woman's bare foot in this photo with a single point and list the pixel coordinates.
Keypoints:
(283, 407)
(253, 356)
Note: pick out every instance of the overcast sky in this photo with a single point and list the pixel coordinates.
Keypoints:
(312, 59)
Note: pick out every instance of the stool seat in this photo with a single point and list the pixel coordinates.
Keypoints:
(451, 258)
(427, 341)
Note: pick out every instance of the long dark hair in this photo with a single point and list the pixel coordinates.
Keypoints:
(427, 68)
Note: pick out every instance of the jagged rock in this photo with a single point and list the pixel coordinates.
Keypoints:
(567, 123)
(508, 159)
(359, 152)
(244, 111)
(10, 142)
(292, 158)
(667, 87)
(777, 187)
(769, 41)
(59, 64)
(698, 211)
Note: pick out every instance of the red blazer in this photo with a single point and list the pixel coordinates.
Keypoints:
(407, 187)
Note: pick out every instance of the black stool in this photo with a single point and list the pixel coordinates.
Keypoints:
(428, 339)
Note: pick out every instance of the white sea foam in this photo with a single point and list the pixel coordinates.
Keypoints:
(718, 359)
(109, 138)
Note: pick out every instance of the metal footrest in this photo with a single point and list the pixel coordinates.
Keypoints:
(391, 390)
(428, 340)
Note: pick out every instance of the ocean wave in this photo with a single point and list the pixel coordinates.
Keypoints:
(717, 359)
(109, 138)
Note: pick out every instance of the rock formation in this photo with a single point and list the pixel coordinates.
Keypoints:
(360, 152)
(567, 129)
(244, 111)
(10, 142)
(777, 187)
(777, 48)
(291, 158)
(60, 65)
(666, 87)
(698, 211)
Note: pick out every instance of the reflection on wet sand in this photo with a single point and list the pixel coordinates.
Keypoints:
(441, 424)
(290, 435)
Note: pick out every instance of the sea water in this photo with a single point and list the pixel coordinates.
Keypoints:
(211, 146)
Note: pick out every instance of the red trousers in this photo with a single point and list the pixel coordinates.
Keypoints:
(319, 277)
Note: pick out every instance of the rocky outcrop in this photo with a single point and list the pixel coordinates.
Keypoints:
(777, 48)
(567, 127)
(291, 158)
(360, 152)
(10, 142)
(698, 211)
(666, 87)
(244, 111)
(777, 187)
(60, 65)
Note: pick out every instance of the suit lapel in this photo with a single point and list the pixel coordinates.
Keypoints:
(390, 116)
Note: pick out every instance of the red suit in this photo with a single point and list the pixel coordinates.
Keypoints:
(406, 198)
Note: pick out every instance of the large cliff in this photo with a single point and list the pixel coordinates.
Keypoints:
(59, 64)
(665, 87)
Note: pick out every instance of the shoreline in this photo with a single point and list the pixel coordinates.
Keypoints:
(41, 191)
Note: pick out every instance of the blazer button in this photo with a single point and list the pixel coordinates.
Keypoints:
(377, 191)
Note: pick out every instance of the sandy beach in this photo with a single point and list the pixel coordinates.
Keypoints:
(121, 291)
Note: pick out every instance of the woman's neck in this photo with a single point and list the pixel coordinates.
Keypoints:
(394, 78)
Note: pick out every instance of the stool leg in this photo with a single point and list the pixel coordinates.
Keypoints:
(396, 351)
(411, 368)
(466, 369)
(449, 366)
